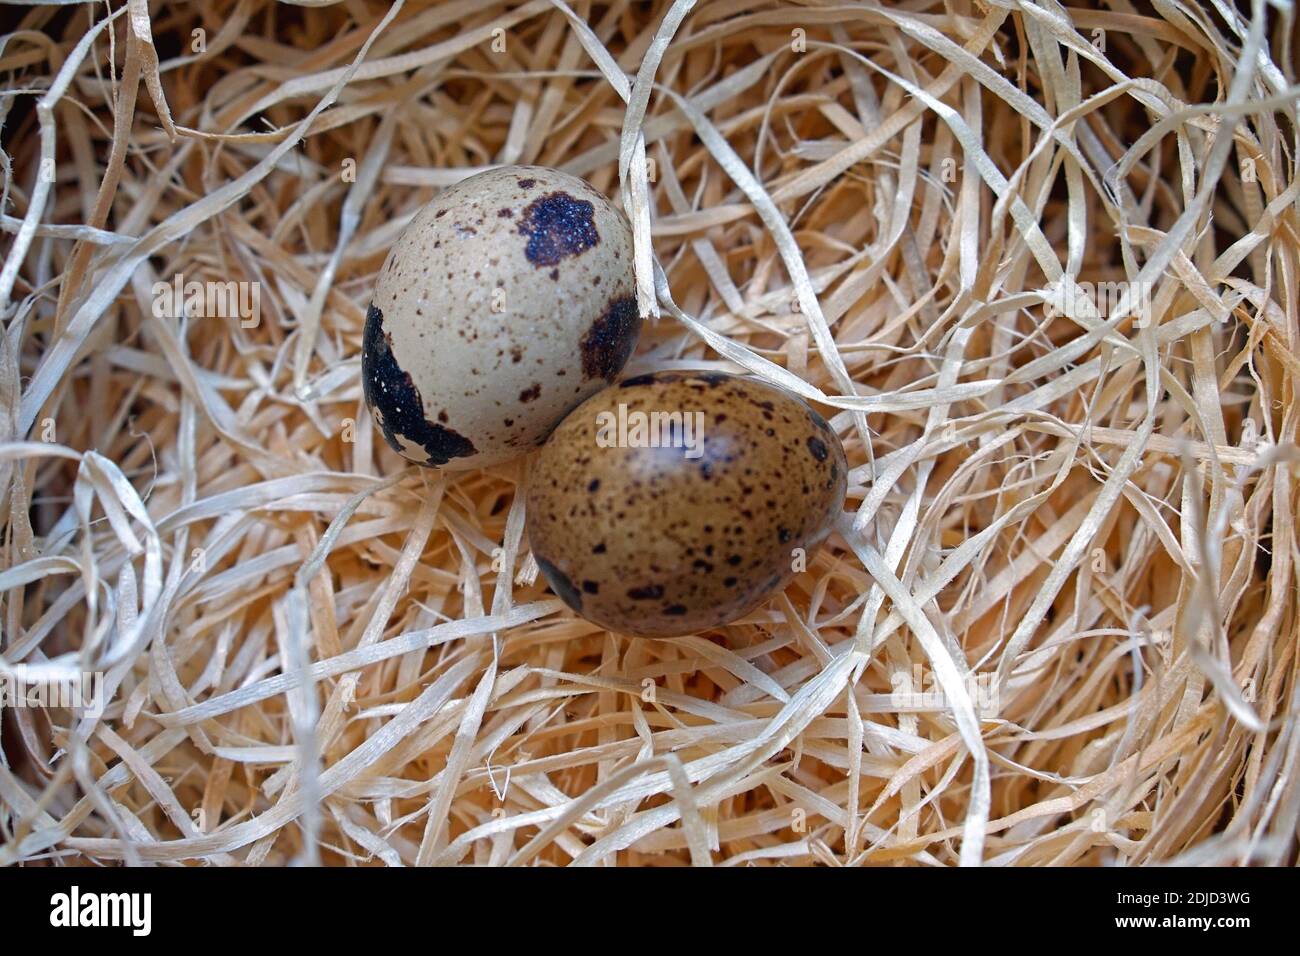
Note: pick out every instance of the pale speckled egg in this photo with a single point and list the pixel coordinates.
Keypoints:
(698, 531)
(509, 299)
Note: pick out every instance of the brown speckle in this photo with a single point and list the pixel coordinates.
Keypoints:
(557, 226)
(560, 583)
(392, 394)
(609, 342)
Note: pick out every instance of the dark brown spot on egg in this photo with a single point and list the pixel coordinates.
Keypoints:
(398, 406)
(637, 380)
(560, 583)
(818, 448)
(557, 226)
(530, 393)
(609, 342)
(647, 592)
(527, 183)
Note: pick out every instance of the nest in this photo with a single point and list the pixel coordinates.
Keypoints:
(1037, 265)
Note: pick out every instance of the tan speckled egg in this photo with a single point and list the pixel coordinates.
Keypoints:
(507, 301)
(675, 502)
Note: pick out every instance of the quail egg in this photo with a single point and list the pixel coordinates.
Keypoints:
(508, 300)
(679, 501)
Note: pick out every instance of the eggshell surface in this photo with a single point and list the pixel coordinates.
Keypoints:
(508, 300)
(670, 540)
